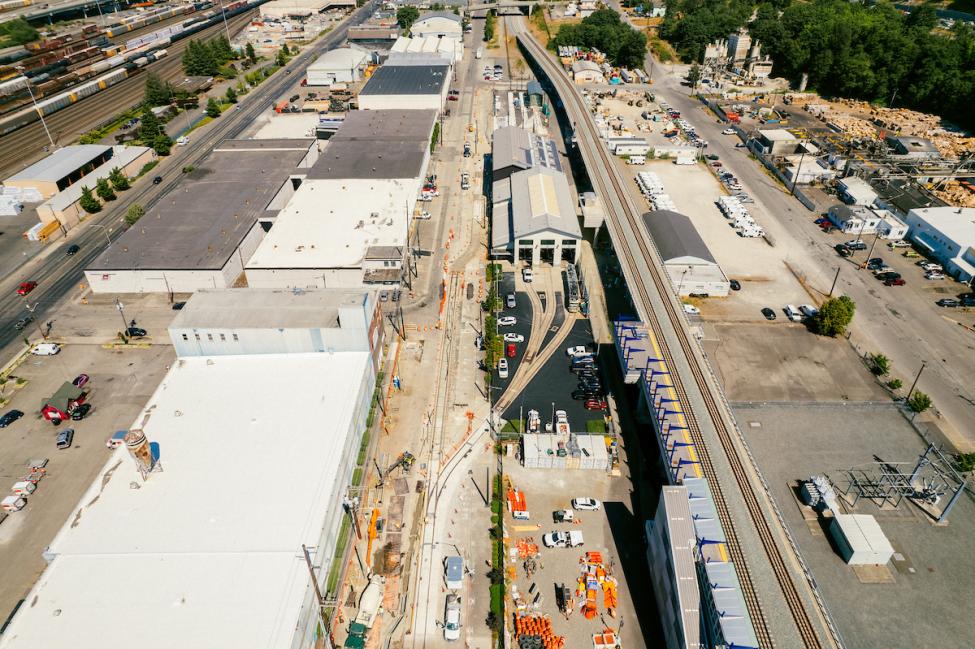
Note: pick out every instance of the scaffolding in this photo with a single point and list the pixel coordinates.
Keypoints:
(927, 482)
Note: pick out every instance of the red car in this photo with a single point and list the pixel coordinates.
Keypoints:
(26, 287)
(512, 350)
(596, 404)
(895, 282)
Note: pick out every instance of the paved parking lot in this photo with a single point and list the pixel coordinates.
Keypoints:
(929, 587)
(613, 531)
(121, 382)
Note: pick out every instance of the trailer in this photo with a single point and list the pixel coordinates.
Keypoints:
(517, 504)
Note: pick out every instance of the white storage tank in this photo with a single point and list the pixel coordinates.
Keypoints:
(860, 540)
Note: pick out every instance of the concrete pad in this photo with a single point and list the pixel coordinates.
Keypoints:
(780, 361)
(919, 606)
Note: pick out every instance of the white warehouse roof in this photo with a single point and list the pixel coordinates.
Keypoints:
(61, 163)
(209, 547)
(339, 59)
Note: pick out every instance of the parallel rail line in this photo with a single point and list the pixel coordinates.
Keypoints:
(627, 214)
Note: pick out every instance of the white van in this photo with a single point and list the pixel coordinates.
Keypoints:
(684, 160)
(793, 313)
(636, 160)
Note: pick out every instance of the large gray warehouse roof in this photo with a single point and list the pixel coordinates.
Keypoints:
(406, 80)
(514, 146)
(199, 223)
(675, 236)
(61, 163)
(377, 144)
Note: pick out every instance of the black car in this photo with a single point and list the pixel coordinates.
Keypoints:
(875, 261)
(10, 417)
(883, 277)
(135, 332)
(768, 313)
(178, 306)
(157, 180)
(72, 250)
(590, 382)
(584, 369)
(583, 395)
(735, 285)
(23, 322)
(948, 302)
(80, 412)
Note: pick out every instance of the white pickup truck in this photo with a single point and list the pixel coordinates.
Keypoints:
(562, 539)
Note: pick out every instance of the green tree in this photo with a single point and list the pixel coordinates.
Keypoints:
(104, 190)
(199, 59)
(280, 59)
(119, 180)
(285, 49)
(162, 145)
(149, 127)
(919, 401)
(88, 201)
(879, 364)
(158, 92)
(17, 32)
(406, 16)
(694, 76)
(213, 108)
(605, 31)
(435, 137)
(895, 384)
(134, 213)
(231, 95)
(251, 54)
(489, 26)
(834, 316)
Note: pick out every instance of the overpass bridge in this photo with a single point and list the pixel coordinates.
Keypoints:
(503, 7)
(779, 593)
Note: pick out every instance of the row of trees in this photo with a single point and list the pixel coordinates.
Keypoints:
(490, 25)
(205, 58)
(17, 32)
(874, 52)
(605, 31)
(105, 189)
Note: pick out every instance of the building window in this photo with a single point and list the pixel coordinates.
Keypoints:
(235, 337)
(223, 338)
(185, 337)
(568, 242)
(525, 242)
(197, 336)
(548, 242)
(210, 337)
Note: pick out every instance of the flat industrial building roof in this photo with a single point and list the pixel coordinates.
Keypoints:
(676, 237)
(321, 229)
(122, 156)
(407, 80)
(201, 222)
(384, 125)
(61, 163)
(261, 308)
(210, 546)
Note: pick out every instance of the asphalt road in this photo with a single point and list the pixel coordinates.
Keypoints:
(57, 274)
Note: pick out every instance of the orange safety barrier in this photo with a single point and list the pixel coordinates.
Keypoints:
(538, 627)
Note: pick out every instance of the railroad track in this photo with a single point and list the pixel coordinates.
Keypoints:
(27, 143)
(628, 215)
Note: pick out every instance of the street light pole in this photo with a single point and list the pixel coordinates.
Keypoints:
(125, 323)
(223, 13)
(95, 225)
(835, 277)
(916, 378)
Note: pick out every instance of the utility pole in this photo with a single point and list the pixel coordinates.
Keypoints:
(835, 277)
(916, 378)
(125, 323)
(43, 123)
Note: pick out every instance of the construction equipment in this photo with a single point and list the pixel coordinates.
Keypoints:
(405, 460)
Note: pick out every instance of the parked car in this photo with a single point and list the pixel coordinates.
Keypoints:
(507, 321)
(933, 275)
(26, 287)
(690, 309)
(23, 322)
(821, 220)
(503, 368)
(875, 262)
(46, 349)
(527, 275)
(178, 306)
(65, 438)
(511, 350)
(792, 313)
(451, 618)
(728, 131)
(948, 302)
(10, 417)
(897, 281)
(888, 275)
(80, 381)
(578, 350)
(856, 244)
(80, 412)
(735, 285)
(510, 301)
(514, 338)
(768, 313)
(586, 504)
(808, 310)
(135, 332)
(72, 250)
(562, 539)
(584, 394)
(596, 404)
(898, 244)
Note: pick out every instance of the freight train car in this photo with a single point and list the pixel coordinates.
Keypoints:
(10, 5)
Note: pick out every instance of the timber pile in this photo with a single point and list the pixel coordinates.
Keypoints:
(956, 194)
